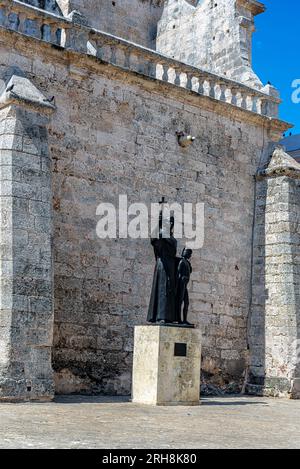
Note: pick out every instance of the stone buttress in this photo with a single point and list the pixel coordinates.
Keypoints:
(26, 289)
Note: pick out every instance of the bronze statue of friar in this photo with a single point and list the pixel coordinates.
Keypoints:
(170, 280)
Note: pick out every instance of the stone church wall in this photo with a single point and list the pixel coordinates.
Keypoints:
(116, 137)
(114, 132)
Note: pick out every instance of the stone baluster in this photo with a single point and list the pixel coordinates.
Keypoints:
(165, 76)
(243, 100)
(234, 100)
(177, 80)
(189, 82)
(259, 104)
(152, 69)
(13, 21)
(141, 64)
(4, 15)
(58, 36)
(127, 54)
(99, 49)
(206, 87)
(222, 92)
(113, 54)
(212, 85)
(22, 24)
(264, 107)
(253, 106)
(201, 85)
(46, 32)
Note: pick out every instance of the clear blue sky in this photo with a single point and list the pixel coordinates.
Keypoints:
(276, 52)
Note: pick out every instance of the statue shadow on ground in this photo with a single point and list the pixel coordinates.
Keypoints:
(231, 401)
(77, 399)
(205, 401)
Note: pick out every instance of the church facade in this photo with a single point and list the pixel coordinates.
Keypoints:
(92, 97)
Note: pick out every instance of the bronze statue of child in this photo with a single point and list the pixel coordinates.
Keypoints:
(184, 271)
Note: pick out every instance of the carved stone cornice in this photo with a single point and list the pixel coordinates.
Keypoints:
(254, 6)
(19, 90)
(281, 164)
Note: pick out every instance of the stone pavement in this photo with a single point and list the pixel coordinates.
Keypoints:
(104, 422)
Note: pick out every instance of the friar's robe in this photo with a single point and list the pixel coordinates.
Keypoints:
(163, 295)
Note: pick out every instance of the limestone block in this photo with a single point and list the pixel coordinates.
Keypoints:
(166, 366)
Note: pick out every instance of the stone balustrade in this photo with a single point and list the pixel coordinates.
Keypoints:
(73, 33)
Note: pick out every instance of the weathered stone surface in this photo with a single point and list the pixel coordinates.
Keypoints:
(135, 20)
(26, 256)
(216, 36)
(114, 133)
(275, 326)
(159, 376)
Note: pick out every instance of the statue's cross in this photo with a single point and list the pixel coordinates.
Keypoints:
(161, 203)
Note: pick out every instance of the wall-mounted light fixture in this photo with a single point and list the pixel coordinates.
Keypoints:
(184, 139)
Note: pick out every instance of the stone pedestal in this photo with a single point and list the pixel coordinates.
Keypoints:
(166, 366)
